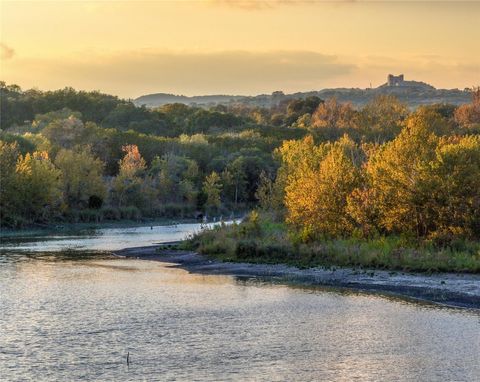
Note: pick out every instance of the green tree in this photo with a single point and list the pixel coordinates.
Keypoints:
(9, 198)
(64, 133)
(39, 187)
(212, 188)
(81, 177)
(265, 193)
(237, 180)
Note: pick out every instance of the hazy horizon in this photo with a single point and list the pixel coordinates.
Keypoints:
(235, 94)
(237, 48)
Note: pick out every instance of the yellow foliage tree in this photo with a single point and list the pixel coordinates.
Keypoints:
(400, 174)
(316, 195)
(382, 117)
(456, 195)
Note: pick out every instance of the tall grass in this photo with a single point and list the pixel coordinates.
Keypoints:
(262, 240)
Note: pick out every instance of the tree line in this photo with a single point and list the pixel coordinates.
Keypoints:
(424, 183)
(332, 169)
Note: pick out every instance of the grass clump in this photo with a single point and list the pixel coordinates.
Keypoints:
(260, 239)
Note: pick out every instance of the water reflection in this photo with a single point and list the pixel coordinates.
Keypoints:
(74, 316)
(103, 239)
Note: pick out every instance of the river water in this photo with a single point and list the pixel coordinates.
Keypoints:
(74, 315)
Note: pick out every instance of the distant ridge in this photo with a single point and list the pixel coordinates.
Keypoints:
(158, 99)
(413, 93)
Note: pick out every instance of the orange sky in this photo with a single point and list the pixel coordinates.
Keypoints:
(237, 47)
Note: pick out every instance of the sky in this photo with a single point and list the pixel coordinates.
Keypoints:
(131, 48)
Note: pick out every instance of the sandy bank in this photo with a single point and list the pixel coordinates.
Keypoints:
(459, 290)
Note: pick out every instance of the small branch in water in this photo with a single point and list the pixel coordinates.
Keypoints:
(128, 358)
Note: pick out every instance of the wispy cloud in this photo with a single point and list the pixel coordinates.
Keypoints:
(6, 52)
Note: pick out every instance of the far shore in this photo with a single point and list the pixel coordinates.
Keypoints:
(70, 227)
(448, 289)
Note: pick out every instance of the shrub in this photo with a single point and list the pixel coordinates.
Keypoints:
(110, 213)
(246, 249)
(89, 216)
(130, 213)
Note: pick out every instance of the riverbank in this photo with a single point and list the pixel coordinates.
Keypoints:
(265, 240)
(452, 289)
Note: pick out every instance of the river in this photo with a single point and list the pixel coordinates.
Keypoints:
(76, 314)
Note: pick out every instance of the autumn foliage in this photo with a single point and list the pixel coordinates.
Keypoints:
(419, 184)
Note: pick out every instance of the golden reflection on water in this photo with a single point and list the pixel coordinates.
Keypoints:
(165, 272)
(77, 319)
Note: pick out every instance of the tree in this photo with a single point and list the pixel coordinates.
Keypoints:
(43, 120)
(9, 198)
(400, 175)
(332, 114)
(175, 178)
(132, 163)
(382, 117)
(127, 186)
(429, 119)
(265, 193)
(469, 115)
(64, 133)
(235, 177)
(212, 188)
(316, 198)
(81, 177)
(456, 193)
(38, 188)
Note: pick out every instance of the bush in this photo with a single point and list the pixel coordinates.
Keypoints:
(246, 249)
(72, 216)
(89, 216)
(110, 213)
(130, 213)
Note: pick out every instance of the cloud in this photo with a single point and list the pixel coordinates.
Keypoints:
(269, 4)
(240, 72)
(6, 52)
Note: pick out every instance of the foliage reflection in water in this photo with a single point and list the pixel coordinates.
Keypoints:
(76, 320)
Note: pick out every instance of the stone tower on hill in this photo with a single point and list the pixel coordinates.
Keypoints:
(395, 80)
(398, 84)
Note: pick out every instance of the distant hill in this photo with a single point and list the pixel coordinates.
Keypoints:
(413, 93)
(159, 99)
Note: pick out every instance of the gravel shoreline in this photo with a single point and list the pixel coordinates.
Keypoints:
(451, 289)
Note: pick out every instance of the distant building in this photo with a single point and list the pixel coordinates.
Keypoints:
(395, 80)
(398, 83)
